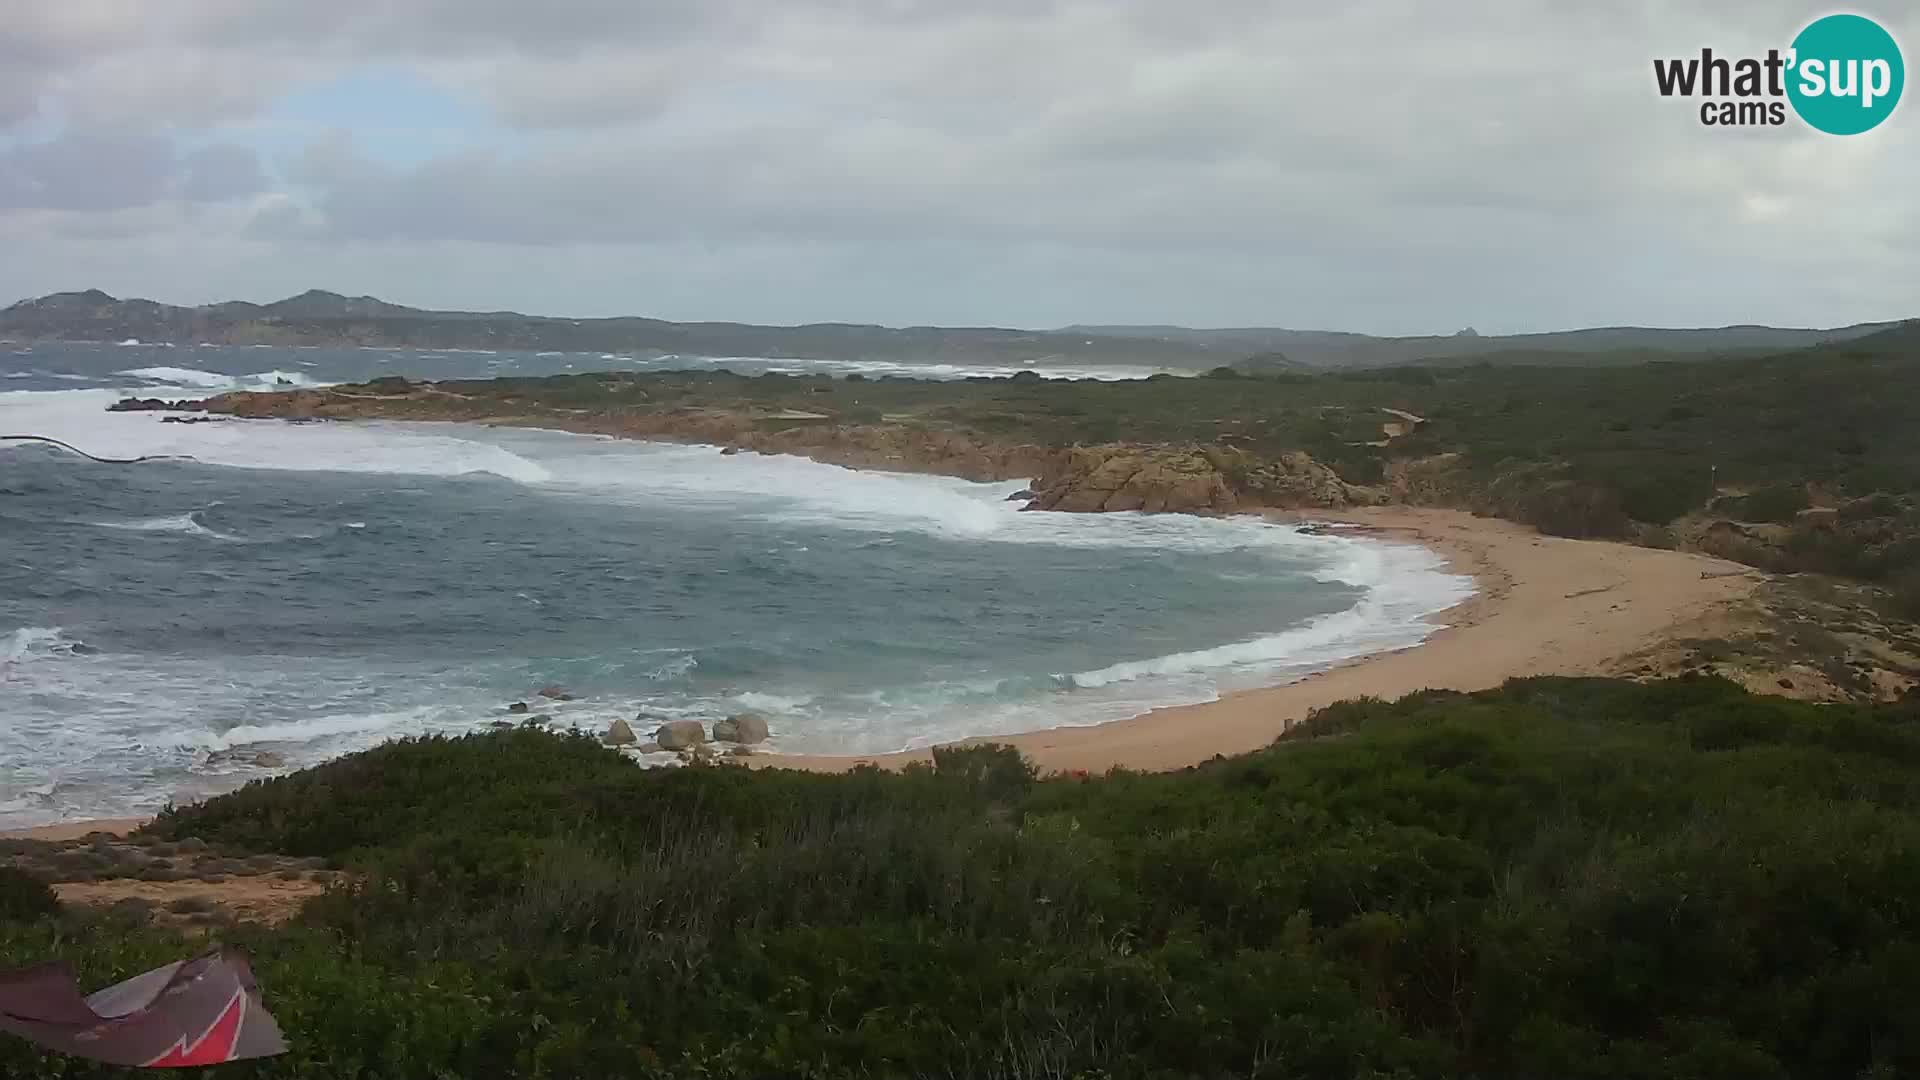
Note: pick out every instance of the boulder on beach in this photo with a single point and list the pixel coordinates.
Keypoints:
(555, 693)
(744, 728)
(517, 707)
(680, 735)
(619, 734)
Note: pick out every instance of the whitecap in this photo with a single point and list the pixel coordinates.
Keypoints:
(213, 380)
(318, 729)
(28, 642)
(187, 524)
(773, 703)
(79, 417)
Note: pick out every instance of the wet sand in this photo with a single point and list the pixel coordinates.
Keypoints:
(1545, 606)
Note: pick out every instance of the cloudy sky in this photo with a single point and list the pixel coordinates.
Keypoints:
(1391, 166)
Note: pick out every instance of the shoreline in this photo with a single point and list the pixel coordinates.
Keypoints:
(62, 831)
(1542, 606)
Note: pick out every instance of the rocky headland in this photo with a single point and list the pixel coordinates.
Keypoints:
(1845, 643)
(1117, 476)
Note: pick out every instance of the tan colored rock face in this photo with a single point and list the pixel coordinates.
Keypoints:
(1184, 480)
(680, 735)
(747, 728)
(1107, 478)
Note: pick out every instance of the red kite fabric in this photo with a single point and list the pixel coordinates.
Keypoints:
(203, 1011)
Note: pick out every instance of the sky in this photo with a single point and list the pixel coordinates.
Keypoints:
(1383, 166)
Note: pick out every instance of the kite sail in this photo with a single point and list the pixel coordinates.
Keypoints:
(202, 1011)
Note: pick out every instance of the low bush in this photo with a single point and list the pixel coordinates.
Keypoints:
(1557, 878)
(24, 896)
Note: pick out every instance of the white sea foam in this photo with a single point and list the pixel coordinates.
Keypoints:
(1400, 589)
(179, 376)
(213, 380)
(79, 417)
(320, 729)
(799, 491)
(186, 524)
(28, 642)
(772, 703)
(1404, 586)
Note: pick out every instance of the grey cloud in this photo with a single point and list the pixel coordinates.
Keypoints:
(96, 173)
(1389, 164)
(86, 172)
(220, 172)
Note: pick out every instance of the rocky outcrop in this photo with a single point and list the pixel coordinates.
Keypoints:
(1186, 480)
(680, 735)
(1084, 479)
(1294, 480)
(747, 728)
(155, 405)
(619, 733)
(1154, 479)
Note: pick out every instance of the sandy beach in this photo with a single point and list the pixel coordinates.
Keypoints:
(1544, 606)
(74, 830)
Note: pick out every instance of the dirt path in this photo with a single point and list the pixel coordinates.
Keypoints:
(183, 883)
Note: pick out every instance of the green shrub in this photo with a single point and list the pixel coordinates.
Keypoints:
(23, 896)
(1905, 591)
(1777, 503)
(1559, 877)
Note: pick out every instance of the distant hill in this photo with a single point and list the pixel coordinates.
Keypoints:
(317, 317)
(1324, 349)
(324, 318)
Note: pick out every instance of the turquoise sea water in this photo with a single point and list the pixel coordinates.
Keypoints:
(314, 589)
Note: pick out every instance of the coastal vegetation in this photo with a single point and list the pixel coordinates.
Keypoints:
(318, 317)
(1561, 877)
(1806, 460)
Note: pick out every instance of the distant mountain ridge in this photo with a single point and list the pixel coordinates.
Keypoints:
(1331, 348)
(318, 317)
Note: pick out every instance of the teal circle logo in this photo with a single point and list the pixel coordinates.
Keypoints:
(1846, 74)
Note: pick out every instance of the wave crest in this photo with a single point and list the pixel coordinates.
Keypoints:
(214, 380)
(29, 642)
(187, 524)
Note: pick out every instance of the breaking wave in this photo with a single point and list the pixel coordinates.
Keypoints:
(187, 524)
(213, 380)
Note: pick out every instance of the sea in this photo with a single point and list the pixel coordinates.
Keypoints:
(261, 596)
